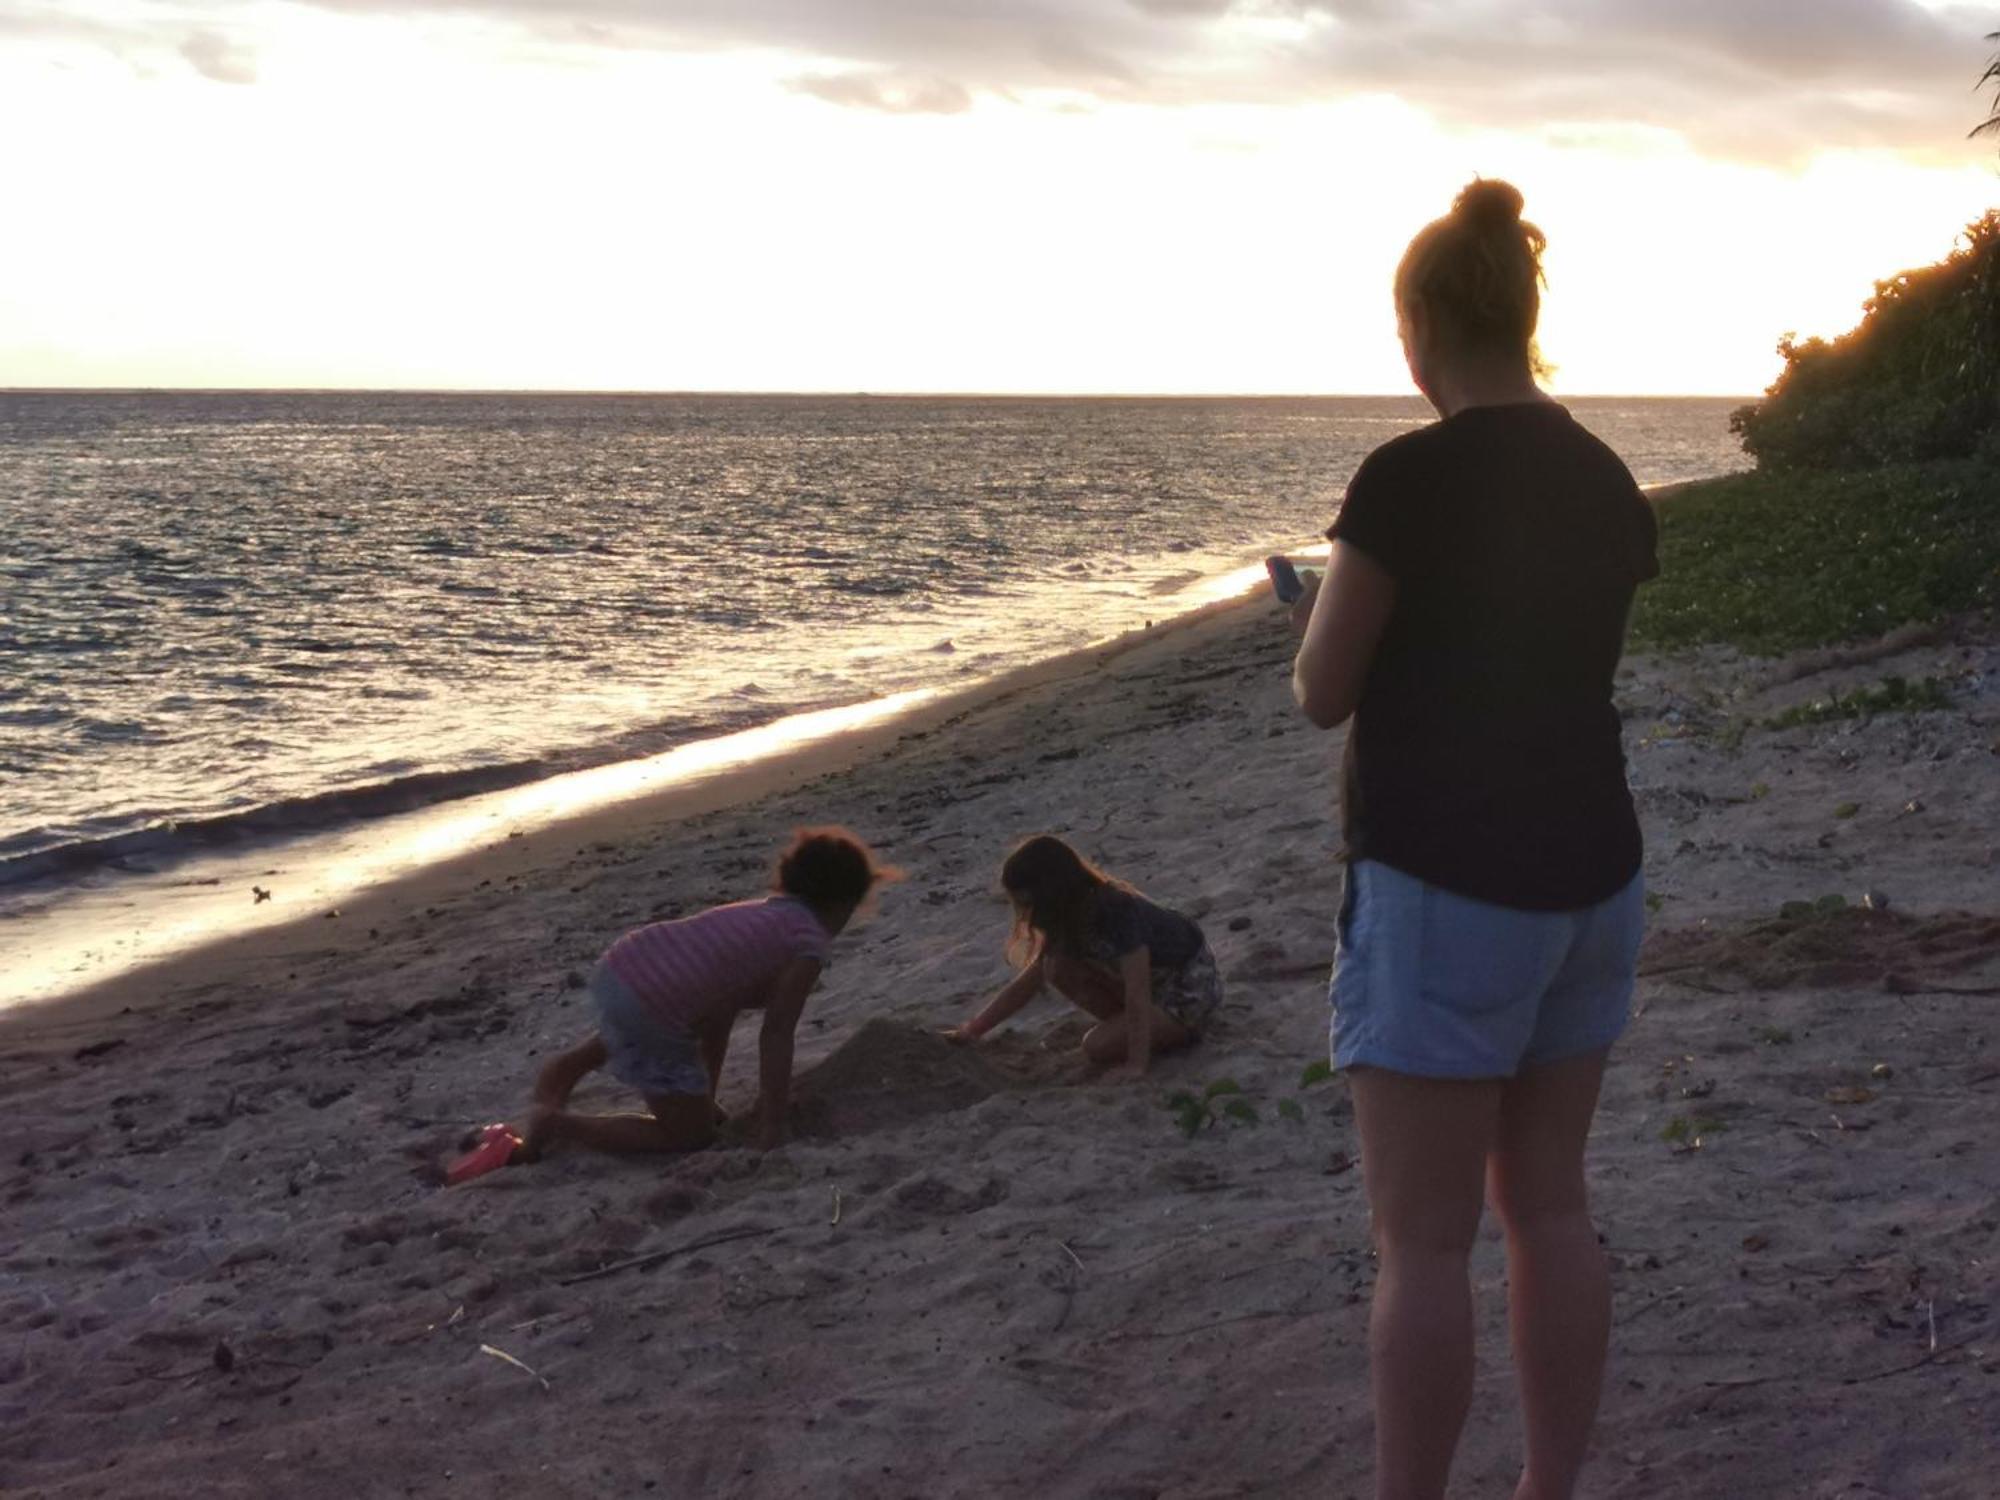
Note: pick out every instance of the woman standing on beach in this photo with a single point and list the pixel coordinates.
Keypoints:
(1470, 623)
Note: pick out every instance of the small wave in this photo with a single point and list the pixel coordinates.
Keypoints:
(116, 730)
(47, 853)
(33, 718)
(289, 815)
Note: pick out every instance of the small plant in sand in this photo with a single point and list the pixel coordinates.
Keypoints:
(1224, 1099)
(1690, 1130)
(1892, 695)
(1832, 904)
(1219, 1101)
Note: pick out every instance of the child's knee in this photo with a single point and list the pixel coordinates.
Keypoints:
(1104, 1042)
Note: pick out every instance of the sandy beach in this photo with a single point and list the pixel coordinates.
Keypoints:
(227, 1266)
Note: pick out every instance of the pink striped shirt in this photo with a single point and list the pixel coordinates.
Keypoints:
(716, 960)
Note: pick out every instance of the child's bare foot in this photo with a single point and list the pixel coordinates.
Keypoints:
(536, 1135)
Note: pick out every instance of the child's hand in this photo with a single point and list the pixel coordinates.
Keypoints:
(963, 1036)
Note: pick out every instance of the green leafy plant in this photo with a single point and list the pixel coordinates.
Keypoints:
(1224, 1099)
(1773, 561)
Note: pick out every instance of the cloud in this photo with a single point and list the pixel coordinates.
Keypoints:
(892, 93)
(1762, 79)
(1739, 77)
(142, 41)
(216, 57)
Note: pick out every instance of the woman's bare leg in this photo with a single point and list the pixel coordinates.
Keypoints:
(1423, 1153)
(562, 1073)
(1559, 1287)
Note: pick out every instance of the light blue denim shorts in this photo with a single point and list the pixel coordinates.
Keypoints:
(641, 1050)
(1438, 985)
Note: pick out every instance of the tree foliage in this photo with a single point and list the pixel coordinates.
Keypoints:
(1918, 378)
(1991, 124)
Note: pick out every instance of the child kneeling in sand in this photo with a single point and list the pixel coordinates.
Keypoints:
(668, 993)
(1143, 971)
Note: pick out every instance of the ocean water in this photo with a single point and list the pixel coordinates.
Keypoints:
(225, 614)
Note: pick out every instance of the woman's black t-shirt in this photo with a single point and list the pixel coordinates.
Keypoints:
(1484, 756)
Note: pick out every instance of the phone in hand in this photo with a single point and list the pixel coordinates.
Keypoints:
(1285, 580)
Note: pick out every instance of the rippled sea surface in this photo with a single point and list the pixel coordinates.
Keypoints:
(223, 612)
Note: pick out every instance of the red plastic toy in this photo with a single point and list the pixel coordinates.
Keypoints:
(496, 1148)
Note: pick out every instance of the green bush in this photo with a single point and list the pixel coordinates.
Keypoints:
(1918, 378)
(1774, 561)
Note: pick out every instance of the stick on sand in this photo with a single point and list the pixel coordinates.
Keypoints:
(654, 1257)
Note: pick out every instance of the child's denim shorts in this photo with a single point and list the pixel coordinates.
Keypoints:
(641, 1050)
(1438, 985)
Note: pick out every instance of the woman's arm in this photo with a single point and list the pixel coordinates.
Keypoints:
(774, 1047)
(1018, 991)
(1348, 612)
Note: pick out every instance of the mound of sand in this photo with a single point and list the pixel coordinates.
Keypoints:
(1844, 945)
(888, 1075)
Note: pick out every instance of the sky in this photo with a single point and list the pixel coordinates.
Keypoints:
(1179, 196)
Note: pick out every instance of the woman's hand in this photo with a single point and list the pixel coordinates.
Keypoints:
(1346, 617)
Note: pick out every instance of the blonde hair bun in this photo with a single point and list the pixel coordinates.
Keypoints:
(1487, 203)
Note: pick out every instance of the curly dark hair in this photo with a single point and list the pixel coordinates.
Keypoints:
(830, 867)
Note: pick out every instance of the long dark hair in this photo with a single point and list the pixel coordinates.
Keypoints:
(1055, 891)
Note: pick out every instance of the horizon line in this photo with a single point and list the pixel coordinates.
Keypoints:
(841, 393)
